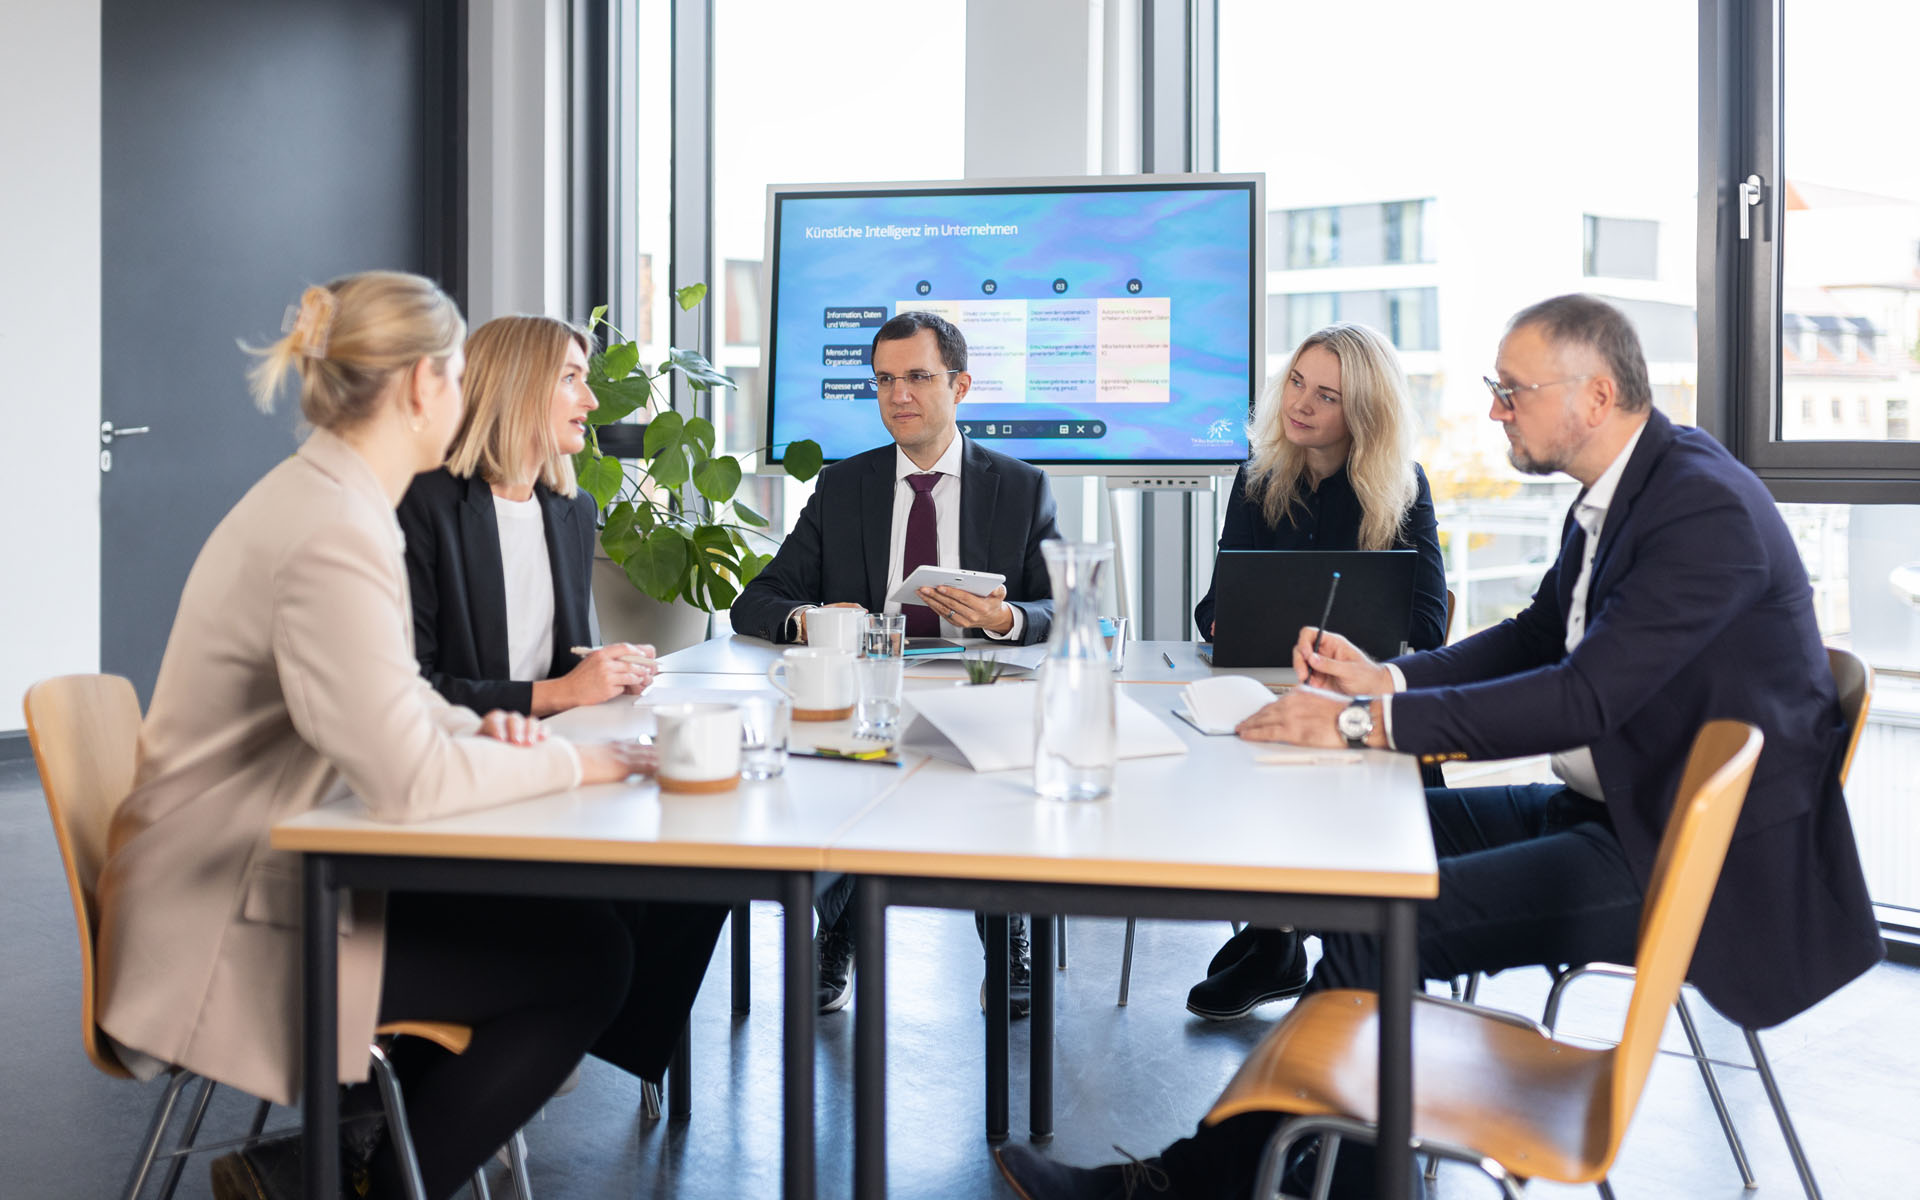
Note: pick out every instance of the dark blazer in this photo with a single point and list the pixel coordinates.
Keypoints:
(1699, 608)
(839, 547)
(460, 593)
(1331, 521)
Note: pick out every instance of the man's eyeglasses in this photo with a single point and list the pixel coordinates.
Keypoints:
(1505, 395)
(913, 379)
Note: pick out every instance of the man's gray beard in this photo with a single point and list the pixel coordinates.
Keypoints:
(1530, 466)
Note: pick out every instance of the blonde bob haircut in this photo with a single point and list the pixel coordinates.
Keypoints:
(512, 363)
(1373, 399)
(346, 341)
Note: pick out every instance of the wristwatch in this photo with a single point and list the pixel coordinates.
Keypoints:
(1355, 722)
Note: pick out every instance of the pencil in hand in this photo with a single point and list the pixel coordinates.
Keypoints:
(1320, 630)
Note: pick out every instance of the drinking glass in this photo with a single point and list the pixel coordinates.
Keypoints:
(763, 736)
(881, 668)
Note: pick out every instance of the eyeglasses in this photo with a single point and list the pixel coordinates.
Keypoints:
(1505, 395)
(913, 379)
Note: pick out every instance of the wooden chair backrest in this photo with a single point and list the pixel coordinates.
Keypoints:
(1854, 680)
(1446, 635)
(1685, 873)
(85, 731)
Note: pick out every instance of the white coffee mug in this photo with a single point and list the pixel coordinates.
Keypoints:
(819, 682)
(834, 628)
(699, 746)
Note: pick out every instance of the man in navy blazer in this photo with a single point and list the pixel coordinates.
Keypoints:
(1678, 597)
(846, 548)
(856, 540)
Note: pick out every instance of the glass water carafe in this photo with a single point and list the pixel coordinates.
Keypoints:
(1074, 742)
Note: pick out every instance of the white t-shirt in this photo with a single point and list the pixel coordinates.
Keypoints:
(529, 578)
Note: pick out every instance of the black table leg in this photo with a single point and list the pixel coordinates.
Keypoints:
(1040, 1078)
(797, 938)
(870, 1041)
(741, 932)
(1398, 966)
(680, 1080)
(997, 1026)
(320, 985)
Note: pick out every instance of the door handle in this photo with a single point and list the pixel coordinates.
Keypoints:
(108, 432)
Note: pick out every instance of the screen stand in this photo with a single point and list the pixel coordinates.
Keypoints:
(1160, 557)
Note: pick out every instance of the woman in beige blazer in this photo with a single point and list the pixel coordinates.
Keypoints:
(289, 680)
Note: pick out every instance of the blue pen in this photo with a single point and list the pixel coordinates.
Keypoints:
(1169, 658)
(1322, 627)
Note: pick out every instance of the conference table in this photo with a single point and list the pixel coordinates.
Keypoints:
(1337, 842)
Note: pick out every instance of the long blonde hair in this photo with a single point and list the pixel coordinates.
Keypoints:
(349, 337)
(1373, 399)
(512, 363)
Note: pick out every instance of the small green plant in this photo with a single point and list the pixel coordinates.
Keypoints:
(671, 520)
(981, 665)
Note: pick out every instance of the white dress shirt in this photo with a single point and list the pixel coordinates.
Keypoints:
(528, 574)
(1574, 767)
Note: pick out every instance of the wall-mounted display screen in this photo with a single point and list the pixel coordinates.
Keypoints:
(1110, 322)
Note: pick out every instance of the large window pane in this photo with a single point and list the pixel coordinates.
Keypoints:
(1453, 180)
(1851, 239)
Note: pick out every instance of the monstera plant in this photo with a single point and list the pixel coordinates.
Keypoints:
(670, 517)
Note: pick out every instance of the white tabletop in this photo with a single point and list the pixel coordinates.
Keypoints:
(1144, 662)
(1212, 818)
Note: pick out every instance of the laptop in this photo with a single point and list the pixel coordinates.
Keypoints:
(1262, 598)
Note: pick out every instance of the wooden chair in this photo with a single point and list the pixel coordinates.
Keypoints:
(85, 731)
(1492, 1089)
(1853, 679)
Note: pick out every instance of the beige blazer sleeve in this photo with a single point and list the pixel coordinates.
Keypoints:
(367, 710)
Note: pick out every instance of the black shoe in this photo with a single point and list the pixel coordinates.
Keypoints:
(1019, 968)
(1036, 1177)
(1353, 1170)
(1274, 969)
(1237, 948)
(833, 951)
(268, 1171)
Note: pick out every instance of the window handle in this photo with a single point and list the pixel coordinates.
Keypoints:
(1752, 193)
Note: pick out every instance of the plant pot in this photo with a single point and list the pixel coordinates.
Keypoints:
(628, 614)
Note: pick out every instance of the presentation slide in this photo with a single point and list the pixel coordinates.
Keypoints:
(1105, 324)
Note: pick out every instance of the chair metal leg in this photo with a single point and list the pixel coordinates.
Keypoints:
(397, 1130)
(1060, 940)
(1126, 964)
(1323, 1170)
(1237, 926)
(1605, 1188)
(649, 1101)
(1472, 991)
(162, 1113)
(480, 1185)
(1713, 1091)
(179, 1157)
(259, 1118)
(517, 1167)
(1779, 1103)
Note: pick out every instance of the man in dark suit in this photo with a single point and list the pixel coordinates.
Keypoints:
(855, 539)
(1678, 598)
(932, 498)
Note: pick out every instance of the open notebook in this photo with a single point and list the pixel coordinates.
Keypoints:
(1216, 704)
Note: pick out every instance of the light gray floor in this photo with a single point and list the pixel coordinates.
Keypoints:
(1138, 1076)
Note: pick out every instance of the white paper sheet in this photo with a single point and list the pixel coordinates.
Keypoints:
(991, 728)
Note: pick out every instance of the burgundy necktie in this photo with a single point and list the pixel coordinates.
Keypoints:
(921, 548)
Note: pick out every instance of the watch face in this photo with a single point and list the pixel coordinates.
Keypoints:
(1355, 722)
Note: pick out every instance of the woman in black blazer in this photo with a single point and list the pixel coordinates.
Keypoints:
(1332, 469)
(500, 540)
(499, 555)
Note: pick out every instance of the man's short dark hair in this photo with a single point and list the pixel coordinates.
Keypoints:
(953, 346)
(1582, 320)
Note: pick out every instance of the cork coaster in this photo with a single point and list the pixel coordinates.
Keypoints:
(823, 714)
(700, 785)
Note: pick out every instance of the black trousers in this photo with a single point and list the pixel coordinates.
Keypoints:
(1529, 876)
(541, 982)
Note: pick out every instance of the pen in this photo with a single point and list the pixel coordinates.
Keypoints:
(1169, 658)
(1324, 614)
(838, 757)
(583, 651)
